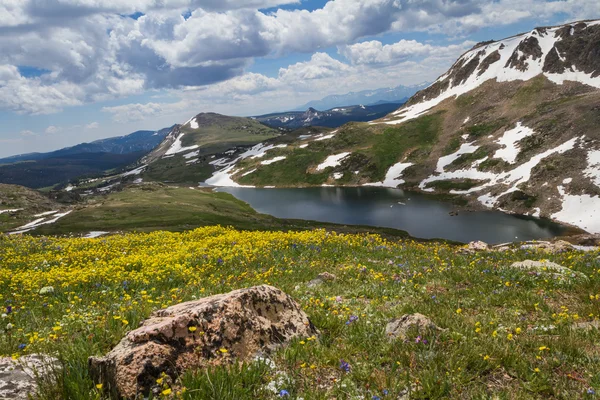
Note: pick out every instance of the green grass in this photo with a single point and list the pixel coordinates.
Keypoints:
(419, 134)
(507, 333)
(447, 185)
(215, 129)
(151, 207)
(453, 145)
(293, 171)
(175, 169)
(529, 93)
(484, 129)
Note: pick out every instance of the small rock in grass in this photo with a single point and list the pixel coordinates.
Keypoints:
(398, 328)
(321, 278)
(587, 326)
(548, 267)
(19, 378)
(47, 290)
(212, 331)
(559, 246)
(475, 247)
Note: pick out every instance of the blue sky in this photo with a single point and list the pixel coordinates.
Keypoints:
(79, 70)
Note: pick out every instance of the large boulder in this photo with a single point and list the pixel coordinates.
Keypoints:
(549, 268)
(210, 331)
(19, 378)
(475, 247)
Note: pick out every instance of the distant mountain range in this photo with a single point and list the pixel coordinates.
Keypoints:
(139, 141)
(396, 94)
(38, 170)
(332, 118)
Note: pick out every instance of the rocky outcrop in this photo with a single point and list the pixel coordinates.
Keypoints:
(549, 268)
(399, 328)
(475, 247)
(19, 378)
(210, 331)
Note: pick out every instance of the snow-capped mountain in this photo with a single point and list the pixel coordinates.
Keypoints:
(562, 53)
(332, 118)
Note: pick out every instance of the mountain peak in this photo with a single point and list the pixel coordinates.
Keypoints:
(562, 53)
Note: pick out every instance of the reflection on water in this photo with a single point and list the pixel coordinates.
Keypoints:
(420, 215)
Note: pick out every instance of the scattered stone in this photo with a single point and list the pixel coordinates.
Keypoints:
(321, 278)
(398, 328)
(548, 267)
(558, 246)
(47, 290)
(475, 247)
(19, 378)
(587, 326)
(212, 331)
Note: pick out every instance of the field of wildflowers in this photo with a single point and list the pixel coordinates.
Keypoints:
(507, 333)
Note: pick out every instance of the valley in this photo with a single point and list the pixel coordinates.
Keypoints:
(419, 241)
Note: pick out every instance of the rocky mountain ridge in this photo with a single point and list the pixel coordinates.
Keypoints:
(331, 118)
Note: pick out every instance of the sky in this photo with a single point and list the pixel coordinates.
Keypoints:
(73, 71)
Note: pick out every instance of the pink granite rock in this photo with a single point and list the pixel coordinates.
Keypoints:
(210, 331)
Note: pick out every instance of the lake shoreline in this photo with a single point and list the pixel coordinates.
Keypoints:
(469, 221)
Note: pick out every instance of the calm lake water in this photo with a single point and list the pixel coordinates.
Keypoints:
(420, 215)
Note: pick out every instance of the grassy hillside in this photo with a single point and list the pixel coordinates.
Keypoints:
(374, 149)
(214, 135)
(25, 203)
(507, 333)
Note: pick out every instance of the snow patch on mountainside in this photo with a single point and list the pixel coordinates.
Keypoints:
(332, 161)
(177, 147)
(273, 160)
(392, 177)
(593, 169)
(13, 210)
(509, 141)
(223, 176)
(443, 162)
(191, 155)
(511, 179)
(194, 123)
(39, 222)
(579, 210)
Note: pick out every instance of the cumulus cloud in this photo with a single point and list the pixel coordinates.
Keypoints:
(135, 112)
(321, 65)
(375, 53)
(92, 125)
(52, 129)
(90, 50)
(27, 133)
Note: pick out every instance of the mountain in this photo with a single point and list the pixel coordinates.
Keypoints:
(185, 153)
(37, 170)
(513, 125)
(140, 141)
(397, 94)
(20, 205)
(332, 118)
